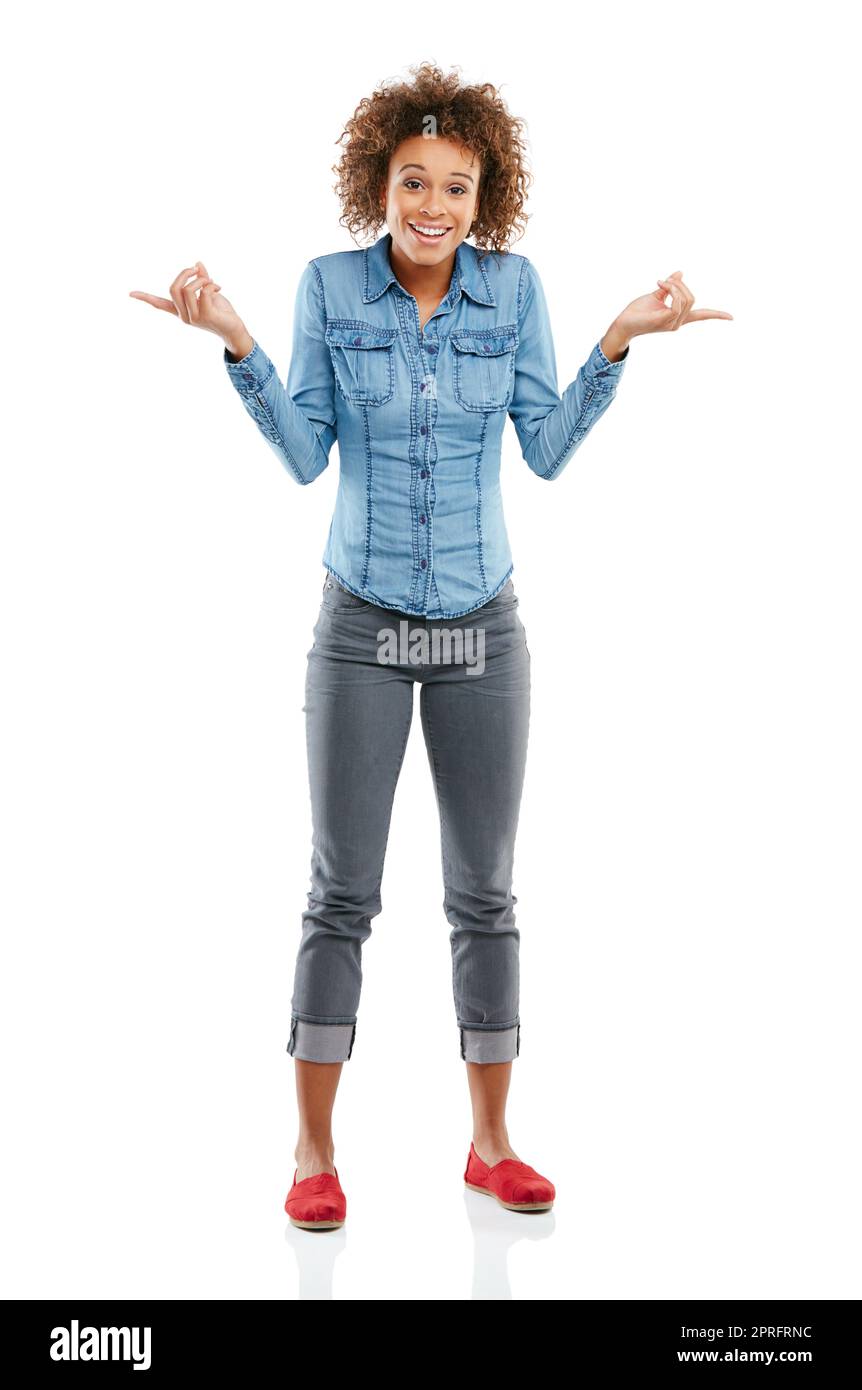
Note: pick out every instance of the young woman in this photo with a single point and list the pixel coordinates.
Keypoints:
(411, 353)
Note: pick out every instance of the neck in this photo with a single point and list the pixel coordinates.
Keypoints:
(422, 281)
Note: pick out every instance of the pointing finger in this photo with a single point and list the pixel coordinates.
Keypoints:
(155, 300)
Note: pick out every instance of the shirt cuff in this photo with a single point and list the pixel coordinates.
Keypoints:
(251, 372)
(598, 365)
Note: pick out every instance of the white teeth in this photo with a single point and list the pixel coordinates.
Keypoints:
(430, 231)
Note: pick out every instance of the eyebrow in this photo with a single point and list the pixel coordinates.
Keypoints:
(456, 175)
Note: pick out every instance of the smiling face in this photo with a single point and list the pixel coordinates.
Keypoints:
(432, 188)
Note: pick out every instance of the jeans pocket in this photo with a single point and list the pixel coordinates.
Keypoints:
(506, 598)
(337, 599)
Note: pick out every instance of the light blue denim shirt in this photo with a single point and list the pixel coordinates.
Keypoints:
(418, 413)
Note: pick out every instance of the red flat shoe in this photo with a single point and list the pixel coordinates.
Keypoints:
(515, 1185)
(316, 1203)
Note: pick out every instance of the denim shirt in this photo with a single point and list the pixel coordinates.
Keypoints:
(418, 413)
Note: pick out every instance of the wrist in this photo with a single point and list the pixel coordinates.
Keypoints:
(239, 345)
(614, 343)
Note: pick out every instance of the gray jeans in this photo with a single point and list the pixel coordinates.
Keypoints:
(475, 718)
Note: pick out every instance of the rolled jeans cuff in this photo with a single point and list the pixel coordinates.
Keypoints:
(321, 1042)
(491, 1044)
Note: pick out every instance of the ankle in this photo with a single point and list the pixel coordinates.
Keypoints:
(498, 1137)
(493, 1145)
(308, 1150)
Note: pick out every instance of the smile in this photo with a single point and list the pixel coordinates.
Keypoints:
(429, 234)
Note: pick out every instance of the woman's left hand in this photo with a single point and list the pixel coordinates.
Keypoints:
(650, 314)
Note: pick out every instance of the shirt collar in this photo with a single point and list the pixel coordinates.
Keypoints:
(468, 276)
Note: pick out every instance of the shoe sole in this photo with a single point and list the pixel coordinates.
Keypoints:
(315, 1225)
(510, 1206)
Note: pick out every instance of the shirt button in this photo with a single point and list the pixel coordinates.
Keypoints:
(423, 564)
(422, 386)
(422, 429)
(432, 348)
(357, 341)
(487, 347)
(422, 521)
(423, 474)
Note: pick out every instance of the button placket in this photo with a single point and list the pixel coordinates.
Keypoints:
(428, 351)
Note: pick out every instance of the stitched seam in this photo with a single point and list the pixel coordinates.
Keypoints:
(579, 428)
(408, 722)
(375, 330)
(277, 436)
(521, 277)
(480, 554)
(443, 857)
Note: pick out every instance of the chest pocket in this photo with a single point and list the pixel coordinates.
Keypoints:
(484, 366)
(363, 360)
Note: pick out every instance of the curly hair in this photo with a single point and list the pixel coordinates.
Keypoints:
(474, 116)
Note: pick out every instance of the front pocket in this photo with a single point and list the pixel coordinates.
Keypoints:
(363, 360)
(484, 366)
(504, 598)
(339, 599)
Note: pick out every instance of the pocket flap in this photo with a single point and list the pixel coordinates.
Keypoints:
(486, 342)
(360, 335)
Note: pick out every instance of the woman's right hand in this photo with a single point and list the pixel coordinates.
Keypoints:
(195, 299)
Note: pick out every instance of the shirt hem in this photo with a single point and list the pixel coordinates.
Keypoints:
(395, 608)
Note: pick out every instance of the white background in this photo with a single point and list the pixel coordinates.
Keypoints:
(687, 867)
